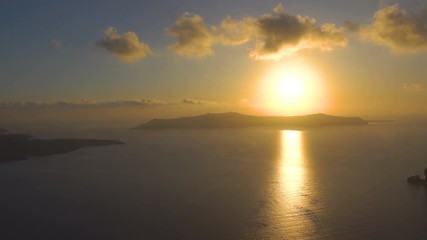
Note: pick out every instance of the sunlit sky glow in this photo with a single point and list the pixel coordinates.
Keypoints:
(292, 89)
(261, 57)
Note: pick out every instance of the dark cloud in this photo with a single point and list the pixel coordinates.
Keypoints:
(275, 35)
(281, 34)
(393, 27)
(127, 47)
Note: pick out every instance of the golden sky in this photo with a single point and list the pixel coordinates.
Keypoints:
(270, 57)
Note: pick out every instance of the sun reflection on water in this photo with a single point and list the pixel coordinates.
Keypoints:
(292, 169)
(295, 217)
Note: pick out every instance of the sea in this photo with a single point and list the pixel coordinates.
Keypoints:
(346, 182)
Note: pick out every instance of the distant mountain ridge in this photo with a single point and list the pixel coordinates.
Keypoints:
(237, 120)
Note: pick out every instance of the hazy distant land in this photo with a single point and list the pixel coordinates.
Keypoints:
(237, 120)
(3, 130)
(21, 146)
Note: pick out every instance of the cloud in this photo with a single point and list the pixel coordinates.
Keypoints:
(56, 43)
(393, 27)
(383, 3)
(144, 102)
(275, 35)
(193, 37)
(234, 32)
(413, 87)
(127, 47)
(190, 101)
(281, 34)
(129, 107)
(83, 104)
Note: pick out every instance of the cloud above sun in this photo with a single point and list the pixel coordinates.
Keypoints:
(280, 34)
(193, 39)
(127, 46)
(275, 35)
(396, 29)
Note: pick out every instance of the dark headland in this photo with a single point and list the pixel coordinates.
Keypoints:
(237, 120)
(14, 147)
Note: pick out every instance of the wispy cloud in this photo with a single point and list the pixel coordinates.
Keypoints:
(234, 32)
(417, 87)
(275, 35)
(83, 104)
(127, 46)
(190, 101)
(382, 4)
(56, 43)
(144, 102)
(395, 28)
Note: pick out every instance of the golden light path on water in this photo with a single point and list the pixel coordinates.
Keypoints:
(295, 215)
(291, 164)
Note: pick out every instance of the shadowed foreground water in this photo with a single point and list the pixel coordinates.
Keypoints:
(330, 183)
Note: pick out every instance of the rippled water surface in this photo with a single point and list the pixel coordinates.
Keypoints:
(329, 183)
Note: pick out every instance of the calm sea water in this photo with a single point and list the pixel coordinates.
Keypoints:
(329, 183)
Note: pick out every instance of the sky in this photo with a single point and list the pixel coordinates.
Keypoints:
(262, 57)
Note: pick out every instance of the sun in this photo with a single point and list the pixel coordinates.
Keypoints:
(292, 88)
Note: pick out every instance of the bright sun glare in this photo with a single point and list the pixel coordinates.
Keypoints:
(292, 89)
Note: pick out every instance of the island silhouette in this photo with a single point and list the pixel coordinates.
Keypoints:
(237, 120)
(16, 147)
